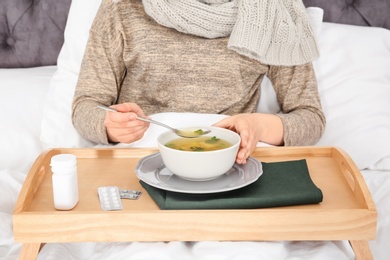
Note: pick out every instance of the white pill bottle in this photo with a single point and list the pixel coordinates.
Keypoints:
(64, 178)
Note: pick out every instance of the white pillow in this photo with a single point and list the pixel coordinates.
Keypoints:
(354, 82)
(57, 128)
(22, 95)
(353, 74)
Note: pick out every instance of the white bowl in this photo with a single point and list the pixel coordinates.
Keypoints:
(200, 166)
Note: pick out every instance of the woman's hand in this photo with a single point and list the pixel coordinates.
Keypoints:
(253, 128)
(123, 126)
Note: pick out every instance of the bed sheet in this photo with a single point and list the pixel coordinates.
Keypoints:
(22, 96)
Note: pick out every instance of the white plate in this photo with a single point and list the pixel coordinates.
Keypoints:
(152, 170)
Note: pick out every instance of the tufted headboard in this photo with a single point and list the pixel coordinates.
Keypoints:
(32, 31)
(374, 13)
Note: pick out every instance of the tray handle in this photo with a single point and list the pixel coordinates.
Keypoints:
(33, 180)
(354, 178)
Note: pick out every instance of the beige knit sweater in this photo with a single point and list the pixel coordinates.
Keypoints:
(131, 58)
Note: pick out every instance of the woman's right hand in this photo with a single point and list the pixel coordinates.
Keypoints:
(123, 126)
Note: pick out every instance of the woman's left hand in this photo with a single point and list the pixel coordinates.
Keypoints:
(253, 128)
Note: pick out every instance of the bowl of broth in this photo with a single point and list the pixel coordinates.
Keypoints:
(201, 158)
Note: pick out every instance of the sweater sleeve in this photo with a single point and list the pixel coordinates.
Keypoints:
(101, 73)
(301, 111)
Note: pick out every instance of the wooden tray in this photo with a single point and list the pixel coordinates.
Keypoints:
(346, 213)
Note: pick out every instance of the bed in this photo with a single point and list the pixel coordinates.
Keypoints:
(42, 44)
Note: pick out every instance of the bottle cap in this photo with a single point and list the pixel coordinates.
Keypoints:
(63, 160)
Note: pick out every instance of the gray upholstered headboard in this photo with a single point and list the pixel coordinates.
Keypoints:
(374, 13)
(32, 31)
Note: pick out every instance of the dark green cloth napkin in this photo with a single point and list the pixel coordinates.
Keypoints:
(281, 184)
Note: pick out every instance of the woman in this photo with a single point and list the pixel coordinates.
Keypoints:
(203, 56)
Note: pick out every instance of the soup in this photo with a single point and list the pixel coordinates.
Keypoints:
(199, 144)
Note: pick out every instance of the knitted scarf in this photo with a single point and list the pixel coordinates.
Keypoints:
(274, 32)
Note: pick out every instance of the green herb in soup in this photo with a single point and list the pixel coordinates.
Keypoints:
(212, 140)
(199, 132)
(198, 144)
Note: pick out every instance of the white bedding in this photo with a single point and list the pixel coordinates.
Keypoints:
(354, 82)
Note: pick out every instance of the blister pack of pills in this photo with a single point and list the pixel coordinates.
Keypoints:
(110, 198)
(130, 194)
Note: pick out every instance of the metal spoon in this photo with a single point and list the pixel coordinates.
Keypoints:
(179, 132)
